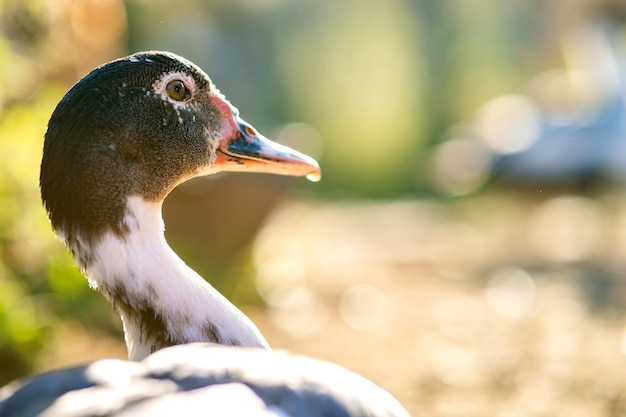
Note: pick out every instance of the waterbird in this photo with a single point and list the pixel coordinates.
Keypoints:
(117, 143)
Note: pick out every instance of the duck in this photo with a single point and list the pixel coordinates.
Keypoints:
(587, 144)
(119, 141)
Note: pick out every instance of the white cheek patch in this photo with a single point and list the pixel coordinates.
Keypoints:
(159, 90)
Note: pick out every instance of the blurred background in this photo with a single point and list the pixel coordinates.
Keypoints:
(466, 248)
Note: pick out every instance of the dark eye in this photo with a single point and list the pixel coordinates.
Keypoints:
(177, 90)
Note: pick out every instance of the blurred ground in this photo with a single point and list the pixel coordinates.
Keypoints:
(498, 305)
(494, 306)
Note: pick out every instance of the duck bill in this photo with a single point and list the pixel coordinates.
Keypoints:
(242, 148)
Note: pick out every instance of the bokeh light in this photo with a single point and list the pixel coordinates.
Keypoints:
(460, 166)
(363, 307)
(511, 293)
(509, 124)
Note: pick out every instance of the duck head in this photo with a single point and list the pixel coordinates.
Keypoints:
(139, 126)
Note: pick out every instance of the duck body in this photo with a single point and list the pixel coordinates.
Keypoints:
(200, 380)
(118, 142)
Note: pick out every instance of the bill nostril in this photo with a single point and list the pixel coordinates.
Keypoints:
(250, 130)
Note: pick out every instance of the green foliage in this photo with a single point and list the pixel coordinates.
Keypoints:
(39, 284)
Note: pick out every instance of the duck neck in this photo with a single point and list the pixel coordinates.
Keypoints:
(161, 300)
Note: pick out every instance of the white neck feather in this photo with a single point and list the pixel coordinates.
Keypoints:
(140, 271)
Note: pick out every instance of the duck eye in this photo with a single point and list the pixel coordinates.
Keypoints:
(177, 90)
